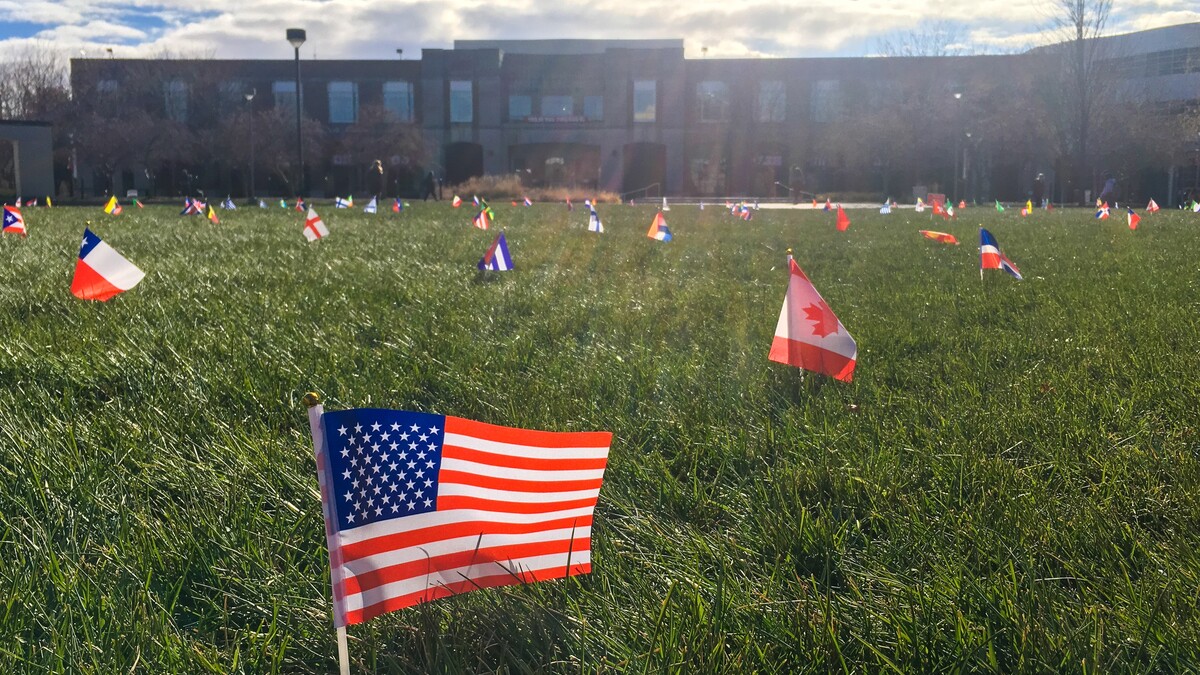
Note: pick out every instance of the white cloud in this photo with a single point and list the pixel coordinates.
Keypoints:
(376, 28)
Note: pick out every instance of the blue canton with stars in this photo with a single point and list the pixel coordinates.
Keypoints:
(384, 464)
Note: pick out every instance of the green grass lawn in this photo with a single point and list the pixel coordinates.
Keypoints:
(1010, 484)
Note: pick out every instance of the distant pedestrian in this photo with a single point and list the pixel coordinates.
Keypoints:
(428, 188)
(1110, 189)
(1039, 190)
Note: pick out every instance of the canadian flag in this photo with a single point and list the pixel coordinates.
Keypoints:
(809, 335)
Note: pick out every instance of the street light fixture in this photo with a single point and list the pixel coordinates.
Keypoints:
(296, 37)
(957, 140)
(249, 96)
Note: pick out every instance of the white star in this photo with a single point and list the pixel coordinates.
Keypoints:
(370, 480)
(420, 493)
(420, 473)
(384, 457)
(350, 518)
(362, 470)
(428, 503)
(357, 428)
(429, 464)
(412, 505)
(412, 465)
(421, 455)
(412, 446)
(387, 499)
(386, 478)
(434, 430)
(370, 502)
(393, 466)
(395, 426)
(384, 436)
(366, 438)
(432, 447)
(392, 487)
(375, 468)
(395, 508)
(342, 430)
(375, 427)
(354, 484)
(375, 448)
(411, 485)
(346, 474)
(377, 489)
(378, 510)
(394, 445)
(404, 436)
(428, 482)
(354, 462)
(423, 437)
(349, 496)
(415, 428)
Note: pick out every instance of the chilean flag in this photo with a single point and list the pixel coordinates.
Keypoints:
(990, 257)
(101, 272)
(809, 335)
(1133, 219)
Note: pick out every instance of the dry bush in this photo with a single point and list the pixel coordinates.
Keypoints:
(509, 187)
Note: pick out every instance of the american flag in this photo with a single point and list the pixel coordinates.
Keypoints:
(421, 506)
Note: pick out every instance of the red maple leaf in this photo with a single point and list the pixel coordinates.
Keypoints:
(824, 322)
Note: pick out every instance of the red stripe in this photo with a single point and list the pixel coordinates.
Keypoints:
(445, 503)
(990, 261)
(541, 439)
(370, 579)
(400, 602)
(529, 463)
(89, 285)
(399, 540)
(811, 357)
(514, 485)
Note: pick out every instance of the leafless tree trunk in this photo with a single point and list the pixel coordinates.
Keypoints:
(1080, 23)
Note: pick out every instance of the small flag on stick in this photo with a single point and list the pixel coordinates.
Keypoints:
(314, 229)
(808, 335)
(990, 257)
(101, 272)
(497, 258)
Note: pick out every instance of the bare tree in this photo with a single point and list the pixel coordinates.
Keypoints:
(35, 83)
(937, 38)
(1084, 90)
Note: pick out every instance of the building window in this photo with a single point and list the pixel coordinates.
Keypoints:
(462, 102)
(593, 108)
(398, 99)
(343, 103)
(558, 106)
(645, 100)
(826, 100)
(285, 94)
(713, 98)
(772, 101)
(175, 96)
(519, 107)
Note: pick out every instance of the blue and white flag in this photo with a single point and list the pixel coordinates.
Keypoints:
(339, 203)
(262, 204)
(228, 204)
(371, 206)
(497, 258)
(594, 224)
(887, 207)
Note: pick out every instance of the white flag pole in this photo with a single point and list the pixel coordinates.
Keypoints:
(317, 424)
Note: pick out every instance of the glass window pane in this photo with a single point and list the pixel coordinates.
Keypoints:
(343, 103)
(593, 108)
(713, 97)
(398, 99)
(558, 106)
(462, 103)
(285, 94)
(645, 100)
(826, 100)
(175, 96)
(519, 107)
(772, 101)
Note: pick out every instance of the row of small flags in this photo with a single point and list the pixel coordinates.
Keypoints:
(30, 203)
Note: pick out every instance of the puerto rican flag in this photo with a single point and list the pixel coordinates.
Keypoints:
(314, 229)
(990, 257)
(101, 272)
(13, 222)
(497, 258)
(809, 335)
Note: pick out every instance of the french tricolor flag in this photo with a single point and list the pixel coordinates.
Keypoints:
(101, 272)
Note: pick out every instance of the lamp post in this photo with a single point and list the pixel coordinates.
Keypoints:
(296, 37)
(957, 140)
(250, 109)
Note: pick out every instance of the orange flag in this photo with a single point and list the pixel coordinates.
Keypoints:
(939, 236)
(843, 221)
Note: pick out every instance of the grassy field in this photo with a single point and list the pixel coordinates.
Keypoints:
(1010, 484)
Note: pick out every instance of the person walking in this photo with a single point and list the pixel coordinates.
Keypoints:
(429, 188)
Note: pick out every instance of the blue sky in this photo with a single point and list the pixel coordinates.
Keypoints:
(376, 28)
